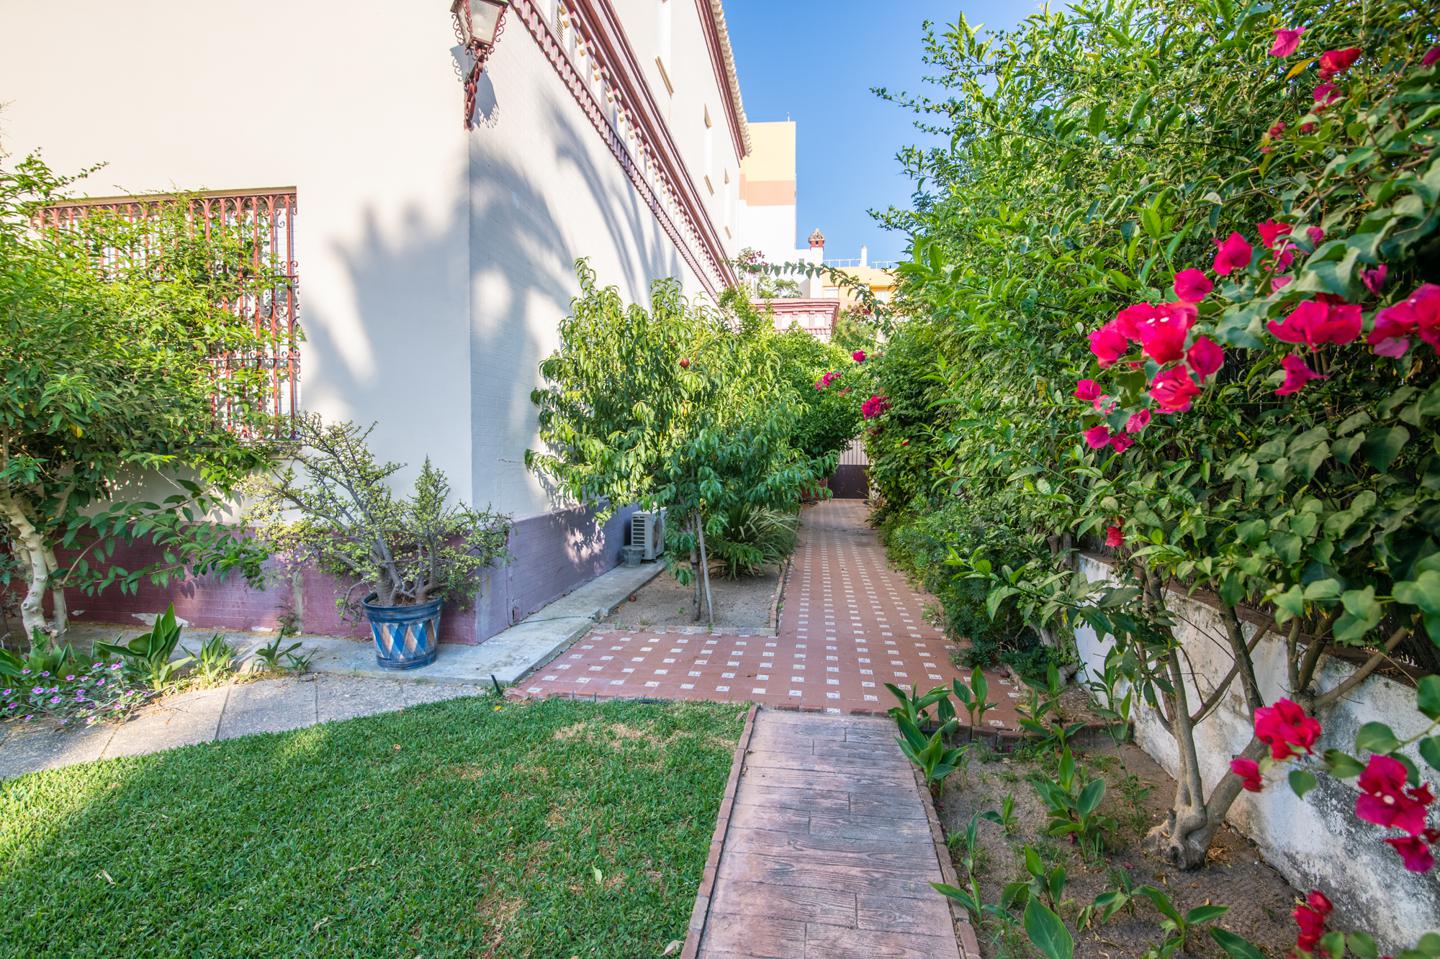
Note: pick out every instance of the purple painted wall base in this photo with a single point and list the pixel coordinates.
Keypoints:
(552, 555)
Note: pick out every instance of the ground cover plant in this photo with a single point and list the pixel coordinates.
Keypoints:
(464, 828)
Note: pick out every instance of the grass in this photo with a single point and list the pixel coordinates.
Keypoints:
(456, 829)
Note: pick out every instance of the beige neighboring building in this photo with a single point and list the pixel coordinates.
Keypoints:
(433, 262)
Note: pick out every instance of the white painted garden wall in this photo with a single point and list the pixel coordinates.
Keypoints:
(1316, 842)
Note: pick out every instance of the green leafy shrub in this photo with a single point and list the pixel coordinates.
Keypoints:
(753, 538)
(148, 658)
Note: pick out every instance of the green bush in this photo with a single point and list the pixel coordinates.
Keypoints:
(828, 418)
(754, 537)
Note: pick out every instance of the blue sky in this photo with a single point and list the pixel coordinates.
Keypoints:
(815, 62)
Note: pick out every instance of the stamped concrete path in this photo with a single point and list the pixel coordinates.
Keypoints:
(825, 849)
(849, 623)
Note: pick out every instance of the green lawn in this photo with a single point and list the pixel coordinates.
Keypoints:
(454, 829)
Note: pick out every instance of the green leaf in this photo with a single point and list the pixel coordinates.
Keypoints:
(1376, 737)
(1342, 765)
(1423, 591)
(1047, 933)
(1235, 946)
(1427, 697)
(1430, 751)
(1302, 781)
(1383, 445)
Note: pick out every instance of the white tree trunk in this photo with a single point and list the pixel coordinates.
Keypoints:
(31, 547)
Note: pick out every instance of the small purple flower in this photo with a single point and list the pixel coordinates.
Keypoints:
(79, 694)
(37, 691)
(43, 675)
(70, 679)
(27, 718)
(54, 700)
(115, 666)
(7, 692)
(25, 671)
(100, 681)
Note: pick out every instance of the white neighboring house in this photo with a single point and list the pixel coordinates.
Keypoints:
(434, 262)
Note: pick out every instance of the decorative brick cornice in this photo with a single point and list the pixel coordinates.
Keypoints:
(722, 58)
(606, 81)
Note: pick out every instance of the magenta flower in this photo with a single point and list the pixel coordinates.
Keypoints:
(1097, 437)
(1192, 285)
(1287, 41)
(1337, 61)
(1138, 421)
(1324, 95)
(1108, 344)
(1315, 234)
(1249, 772)
(1374, 280)
(1414, 853)
(1431, 56)
(1277, 129)
(1119, 442)
(1271, 231)
(1087, 390)
(1173, 390)
(1205, 357)
(1233, 253)
(874, 406)
(1297, 374)
(1286, 728)
(858, 356)
(1114, 536)
(1164, 336)
(1418, 313)
(1385, 799)
(1315, 322)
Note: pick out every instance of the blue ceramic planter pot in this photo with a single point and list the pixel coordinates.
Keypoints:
(406, 637)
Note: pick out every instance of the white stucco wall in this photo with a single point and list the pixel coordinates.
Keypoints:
(1316, 842)
(435, 263)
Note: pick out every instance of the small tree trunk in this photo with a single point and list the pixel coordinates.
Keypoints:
(31, 546)
(705, 573)
(59, 609)
(695, 568)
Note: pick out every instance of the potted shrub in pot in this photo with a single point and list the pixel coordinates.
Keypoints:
(399, 558)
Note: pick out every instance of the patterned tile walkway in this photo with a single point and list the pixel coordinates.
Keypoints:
(849, 624)
(827, 851)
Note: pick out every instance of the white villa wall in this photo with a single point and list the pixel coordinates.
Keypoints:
(1316, 842)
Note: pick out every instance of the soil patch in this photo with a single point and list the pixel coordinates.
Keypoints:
(1137, 795)
(743, 603)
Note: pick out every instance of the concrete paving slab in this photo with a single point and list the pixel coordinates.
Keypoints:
(344, 697)
(417, 694)
(30, 750)
(180, 720)
(271, 706)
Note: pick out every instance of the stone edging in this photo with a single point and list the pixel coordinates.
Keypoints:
(964, 931)
(701, 912)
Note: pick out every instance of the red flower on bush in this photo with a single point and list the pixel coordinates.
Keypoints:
(1374, 280)
(1173, 390)
(874, 406)
(1163, 335)
(858, 356)
(1287, 40)
(1316, 322)
(1419, 313)
(1277, 129)
(1119, 442)
(1204, 357)
(1311, 918)
(1431, 57)
(1315, 234)
(1337, 61)
(1271, 231)
(1108, 344)
(1297, 374)
(1087, 390)
(826, 380)
(1192, 285)
(1233, 253)
(1138, 421)
(1249, 772)
(1324, 95)
(1387, 801)
(1286, 729)
(1097, 437)
(1414, 853)
(1114, 536)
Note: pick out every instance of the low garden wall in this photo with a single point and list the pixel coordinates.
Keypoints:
(1315, 842)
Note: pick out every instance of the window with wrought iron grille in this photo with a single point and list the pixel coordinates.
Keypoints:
(268, 218)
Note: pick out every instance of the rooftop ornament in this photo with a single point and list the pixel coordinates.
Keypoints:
(478, 24)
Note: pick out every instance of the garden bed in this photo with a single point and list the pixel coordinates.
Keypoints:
(743, 603)
(1137, 795)
(461, 828)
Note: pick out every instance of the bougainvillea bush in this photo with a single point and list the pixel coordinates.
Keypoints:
(1174, 294)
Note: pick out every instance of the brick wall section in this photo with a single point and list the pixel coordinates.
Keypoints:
(552, 555)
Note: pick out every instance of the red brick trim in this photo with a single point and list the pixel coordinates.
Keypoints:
(701, 912)
(964, 931)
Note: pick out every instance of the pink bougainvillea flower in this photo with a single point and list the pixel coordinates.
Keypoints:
(1129, 320)
(1119, 442)
(1163, 337)
(874, 406)
(1307, 128)
(1425, 307)
(1324, 95)
(1192, 285)
(1315, 235)
(1387, 801)
(1173, 390)
(1286, 728)
(1277, 129)
(1114, 536)
(1414, 853)
(1108, 344)
(1374, 280)
(1284, 257)
(1087, 390)
(1271, 231)
(1431, 57)
(1417, 313)
(1204, 357)
(1287, 41)
(1138, 421)
(1249, 772)
(1233, 253)
(1279, 282)
(858, 356)
(1316, 322)
(1297, 374)
(1311, 917)
(1097, 437)
(1337, 61)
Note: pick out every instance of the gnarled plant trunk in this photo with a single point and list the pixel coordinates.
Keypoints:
(38, 562)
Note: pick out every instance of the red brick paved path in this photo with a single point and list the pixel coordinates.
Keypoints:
(849, 624)
(828, 851)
